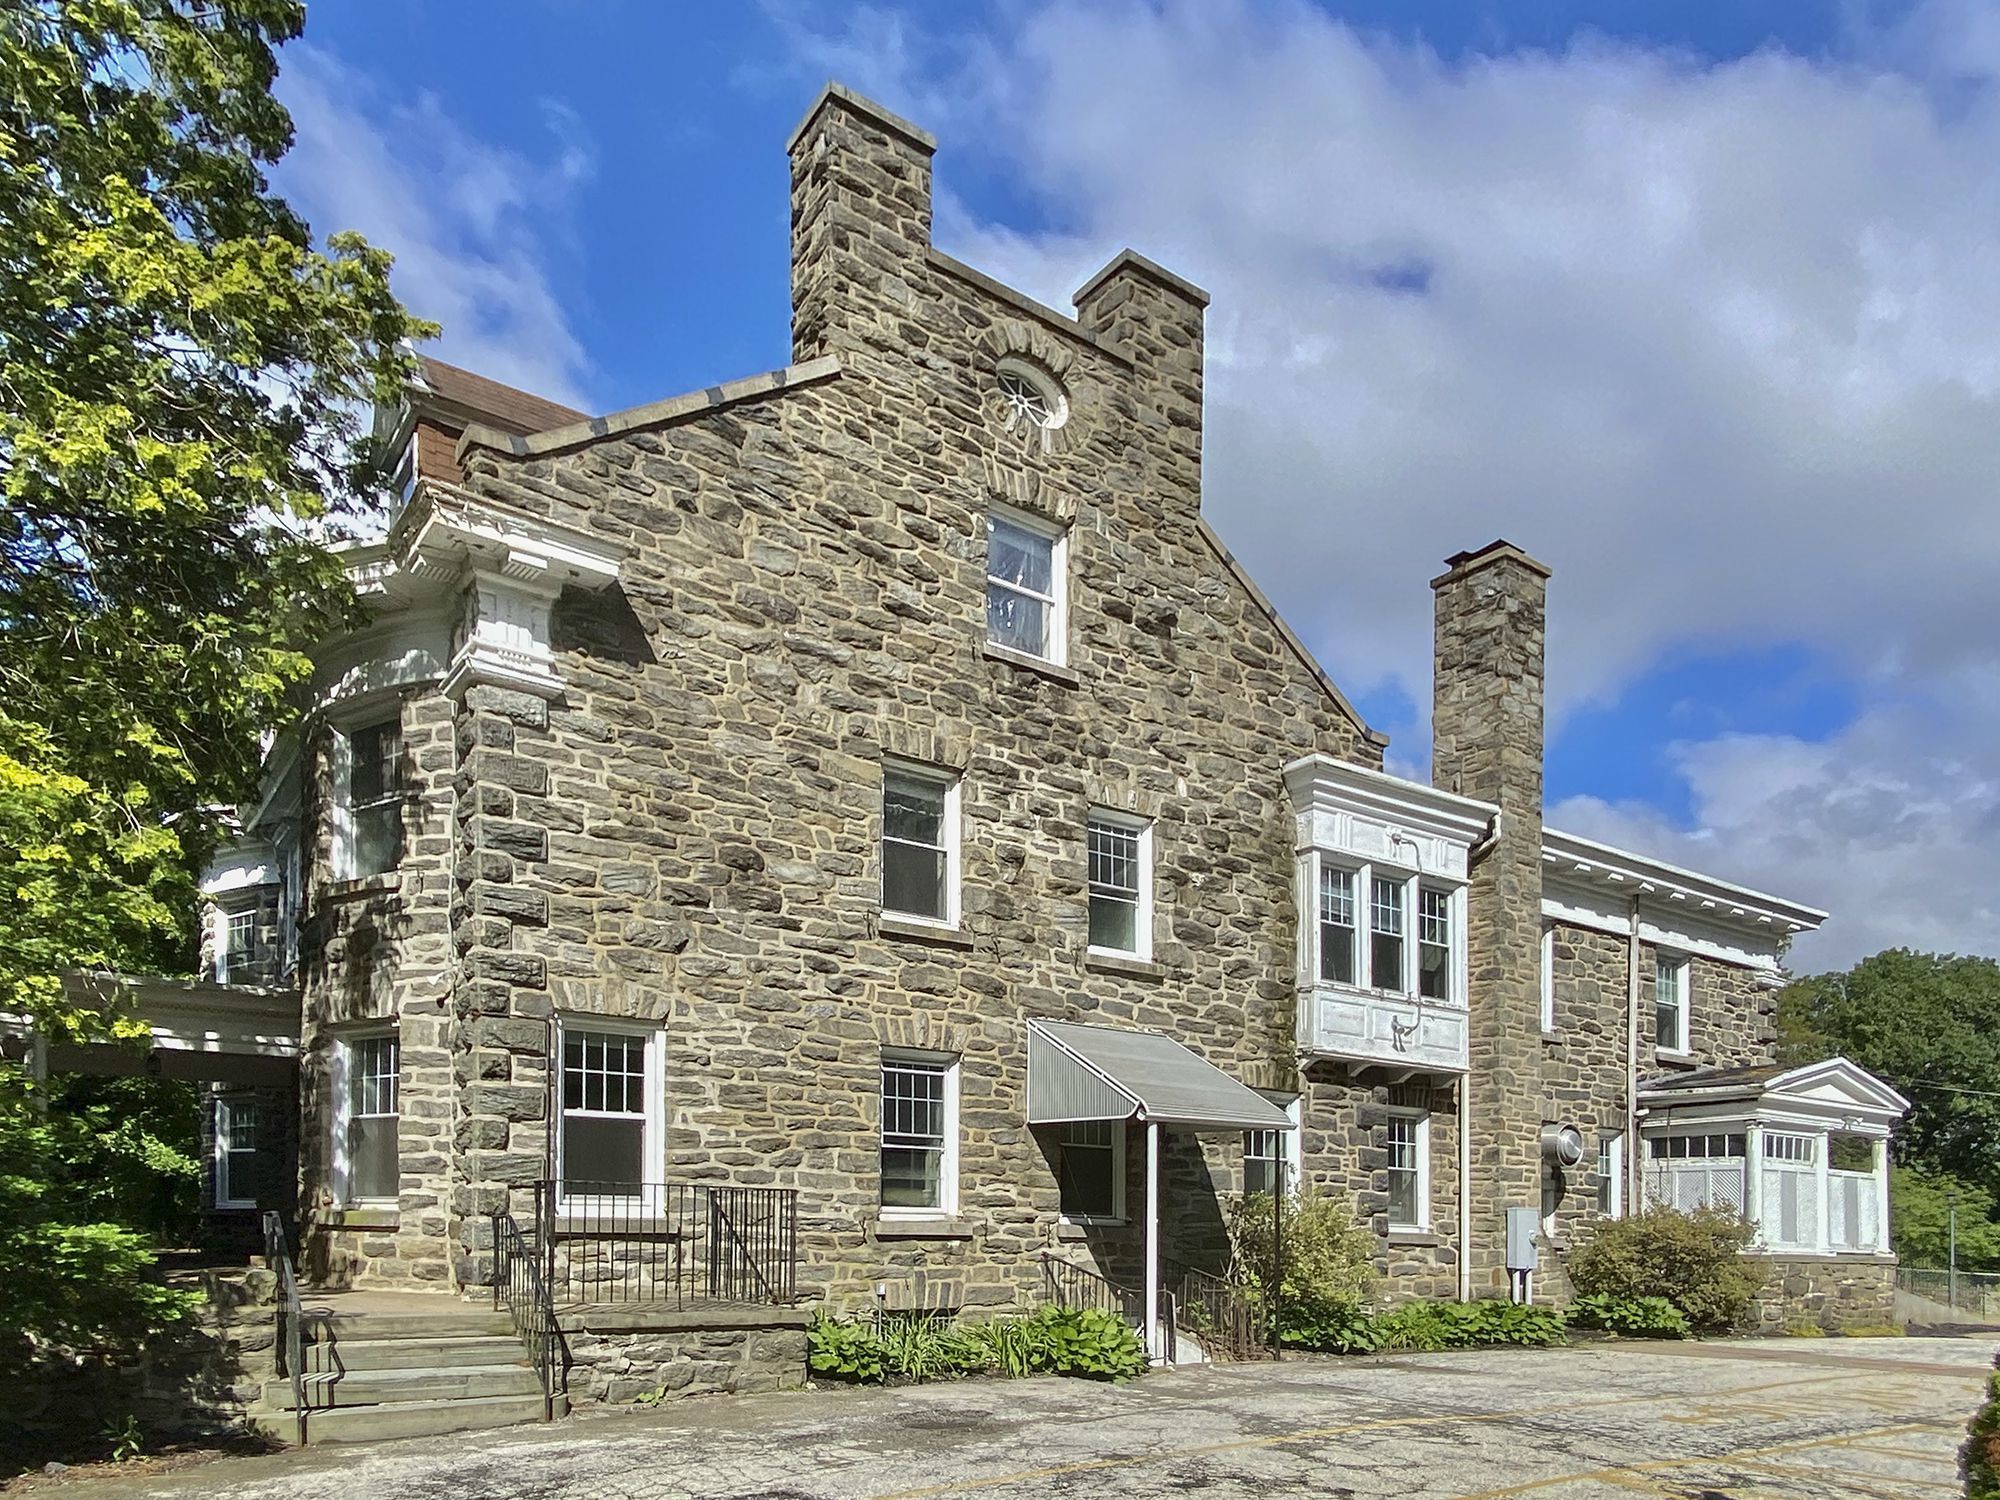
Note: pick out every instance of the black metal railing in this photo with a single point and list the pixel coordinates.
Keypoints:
(667, 1242)
(520, 1290)
(289, 1346)
(1067, 1284)
(1218, 1313)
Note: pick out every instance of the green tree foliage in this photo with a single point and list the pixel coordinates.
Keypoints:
(1329, 1265)
(182, 374)
(1928, 1025)
(1694, 1260)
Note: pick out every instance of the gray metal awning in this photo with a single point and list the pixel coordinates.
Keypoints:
(1078, 1072)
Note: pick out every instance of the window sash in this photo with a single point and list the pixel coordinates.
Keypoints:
(1119, 868)
(917, 840)
(1263, 1156)
(1611, 1173)
(375, 795)
(1336, 925)
(607, 1114)
(1406, 1142)
(1548, 978)
(372, 1119)
(1434, 944)
(918, 1131)
(238, 1134)
(1670, 1005)
(1385, 934)
(1023, 579)
(1713, 1145)
(1090, 1169)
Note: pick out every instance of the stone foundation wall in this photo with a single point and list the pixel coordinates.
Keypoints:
(621, 1354)
(1835, 1293)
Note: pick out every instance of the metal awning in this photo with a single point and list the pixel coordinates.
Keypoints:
(1078, 1072)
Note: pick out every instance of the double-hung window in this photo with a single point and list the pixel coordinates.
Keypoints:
(1670, 1004)
(1434, 966)
(371, 1111)
(920, 844)
(1611, 1174)
(1024, 585)
(374, 800)
(1121, 860)
(1336, 925)
(1091, 1171)
(236, 1141)
(919, 1134)
(1385, 934)
(609, 1137)
(1271, 1157)
(1409, 1139)
(239, 946)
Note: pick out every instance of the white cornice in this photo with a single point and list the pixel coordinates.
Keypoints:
(1321, 783)
(1668, 890)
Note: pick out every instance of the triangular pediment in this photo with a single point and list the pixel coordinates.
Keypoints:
(1837, 1085)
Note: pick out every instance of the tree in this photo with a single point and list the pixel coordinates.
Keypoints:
(1920, 1220)
(182, 373)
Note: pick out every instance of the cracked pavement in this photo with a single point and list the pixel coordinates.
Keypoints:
(1867, 1419)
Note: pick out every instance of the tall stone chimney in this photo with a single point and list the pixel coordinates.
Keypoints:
(861, 223)
(1486, 725)
(1154, 317)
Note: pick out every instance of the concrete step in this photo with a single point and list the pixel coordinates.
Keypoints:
(440, 1352)
(404, 1419)
(455, 1319)
(379, 1387)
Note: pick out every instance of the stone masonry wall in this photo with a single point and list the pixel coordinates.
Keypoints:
(1487, 743)
(374, 955)
(1834, 1293)
(804, 597)
(619, 1355)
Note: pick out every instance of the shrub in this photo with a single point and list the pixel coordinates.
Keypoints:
(919, 1347)
(1429, 1326)
(1980, 1457)
(1633, 1317)
(843, 1349)
(1329, 1267)
(1089, 1342)
(1694, 1260)
(1012, 1347)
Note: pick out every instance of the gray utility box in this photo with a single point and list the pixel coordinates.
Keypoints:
(1524, 1228)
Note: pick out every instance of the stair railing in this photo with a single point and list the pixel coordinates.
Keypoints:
(289, 1346)
(1067, 1284)
(520, 1289)
(1216, 1311)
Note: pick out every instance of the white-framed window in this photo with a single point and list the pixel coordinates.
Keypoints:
(609, 1140)
(1548, 978)
(1090, 1171)
(1611, 1174)
(1036, 404)
(1435, 968)
(1121, 884)
(1409, 1141)
(1795, 1150)
(238, 1136)
(403, 473)
(1336, 925)
(919, 1134)
(237, 947)
(1267, 1153)
(1708, 1146)
(367, 1110)
(920, 843)
(1670, 1003)
(368, 799)
(1385, 934)
(1026, 560)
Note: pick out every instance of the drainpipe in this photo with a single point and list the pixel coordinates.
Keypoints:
(1632, 1164)
(1465, 1187)
(1153, 1342)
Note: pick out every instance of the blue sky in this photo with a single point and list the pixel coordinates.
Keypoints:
(1689, 299)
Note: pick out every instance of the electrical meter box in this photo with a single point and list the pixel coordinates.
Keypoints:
(1523, 1227)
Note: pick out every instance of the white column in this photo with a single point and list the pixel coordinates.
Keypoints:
(1153, 1349)
(1822, 1164)
(1882, 1194)
(1753, 1178)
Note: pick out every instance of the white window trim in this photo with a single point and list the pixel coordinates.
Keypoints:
(1142, 918)
(948, 1160)
(1548, 979)
(221, 1152)
(1423, 1149)
(952, 783)
(1683, 1043)
(1058, 598)
(1117, 1215)
(225, 913)
(341, 810)
(1291, 1143)
(339, 1075)
(1611, 1168)
(653, 1148)
(1316, 964)
(1413, 882)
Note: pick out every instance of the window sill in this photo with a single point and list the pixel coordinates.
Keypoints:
(1415, 1239)
(922, 932)
(1551, 1038)
(365, 885)
(1077, 1229)
(1123, 963)
(937, 1227)
(1673, 1057)
(1041, 666)
(363, 1216)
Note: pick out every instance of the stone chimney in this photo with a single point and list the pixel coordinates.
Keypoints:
(861, 219)
(1486, 725)
(1154, 318)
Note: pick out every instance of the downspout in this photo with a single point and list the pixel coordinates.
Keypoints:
(1477, 852)
(1632, 1163)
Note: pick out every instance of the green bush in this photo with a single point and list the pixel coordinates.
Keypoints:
(1980, 1457)
(843, 1349)
(1431, 1326)
(916, 1348)
(1694, 1260)
(1329, 1267)
(1634, 1317)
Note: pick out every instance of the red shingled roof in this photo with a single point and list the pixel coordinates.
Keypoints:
(500, 405)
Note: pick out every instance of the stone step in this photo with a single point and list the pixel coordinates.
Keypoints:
(403, 1419)
(378, 1387)
(351, 1353)
(454, 1319)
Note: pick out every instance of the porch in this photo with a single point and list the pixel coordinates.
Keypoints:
(1802, 1153)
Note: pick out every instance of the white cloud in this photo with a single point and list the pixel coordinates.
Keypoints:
(1720, 342)
(474, 227)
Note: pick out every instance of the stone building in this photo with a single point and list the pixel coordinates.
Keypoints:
(874, 782)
